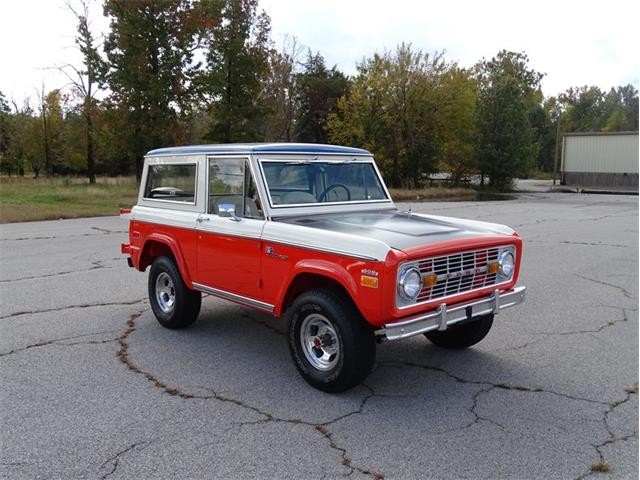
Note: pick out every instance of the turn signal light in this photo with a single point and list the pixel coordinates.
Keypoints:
(493, 267)
(367, 281)
(429, 280)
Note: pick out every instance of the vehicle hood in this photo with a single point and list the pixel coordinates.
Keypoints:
(400, 230)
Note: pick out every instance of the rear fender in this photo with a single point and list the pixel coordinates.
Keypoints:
(153, 247)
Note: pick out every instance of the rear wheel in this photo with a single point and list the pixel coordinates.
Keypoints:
(173, 304)
(462, 336)
(330, 343)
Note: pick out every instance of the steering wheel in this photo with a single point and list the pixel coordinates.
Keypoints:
(326, 191)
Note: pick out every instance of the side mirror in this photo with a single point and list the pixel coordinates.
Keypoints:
(227, 210)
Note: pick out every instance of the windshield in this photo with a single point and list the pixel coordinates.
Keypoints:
(294, 183)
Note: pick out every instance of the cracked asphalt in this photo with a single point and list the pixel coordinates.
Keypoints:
(93, 387)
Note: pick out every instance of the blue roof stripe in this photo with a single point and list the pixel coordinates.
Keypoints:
(251, 148)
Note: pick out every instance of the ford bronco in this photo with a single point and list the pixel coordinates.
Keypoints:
(311, 233)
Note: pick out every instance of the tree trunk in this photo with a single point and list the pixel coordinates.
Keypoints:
(91, 161)
(47, 148)
(138, 169)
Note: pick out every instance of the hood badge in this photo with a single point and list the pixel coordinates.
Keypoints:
(368, 271)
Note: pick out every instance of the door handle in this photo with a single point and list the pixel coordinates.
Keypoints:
(203, 219)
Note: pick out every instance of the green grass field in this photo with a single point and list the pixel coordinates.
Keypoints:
(27, 199)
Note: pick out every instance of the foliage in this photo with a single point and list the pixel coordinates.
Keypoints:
(85, 81)
(149, 51)
(236, 71)
(317, 91)
(508, 93)
(280, 92)
(589, 109)
(412, 110)
(5, 132)
(172, 72)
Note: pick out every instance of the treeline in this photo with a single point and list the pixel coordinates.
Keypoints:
(175, 72)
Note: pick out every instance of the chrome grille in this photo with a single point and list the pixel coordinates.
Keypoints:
(457, 273)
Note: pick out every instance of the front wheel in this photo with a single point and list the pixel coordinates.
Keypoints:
(331, 344)
(462, 336)
(173, 303)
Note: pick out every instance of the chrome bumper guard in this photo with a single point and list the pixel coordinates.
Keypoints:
(444, 317)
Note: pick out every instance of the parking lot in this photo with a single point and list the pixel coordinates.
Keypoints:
(93, 387)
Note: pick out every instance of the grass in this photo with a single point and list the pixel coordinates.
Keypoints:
(28, 199)
(600, 467)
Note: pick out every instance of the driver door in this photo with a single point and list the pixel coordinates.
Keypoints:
(229, 244)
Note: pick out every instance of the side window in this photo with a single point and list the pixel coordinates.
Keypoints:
(175, 182)
(232, 189)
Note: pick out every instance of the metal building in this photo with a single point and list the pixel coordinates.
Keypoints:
(600, 159)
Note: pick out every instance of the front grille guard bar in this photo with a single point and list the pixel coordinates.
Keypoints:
(444, 317)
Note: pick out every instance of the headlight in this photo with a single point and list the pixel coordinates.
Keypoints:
(507, 263)
(410, 283)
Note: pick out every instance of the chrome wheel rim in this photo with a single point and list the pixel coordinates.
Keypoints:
(320, 342)
(165, 292)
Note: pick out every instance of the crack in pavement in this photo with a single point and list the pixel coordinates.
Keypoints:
(623, 290)
(611, 406)
(322, 428)
(569, 242)
(500, 386)
(116, 459)
(609, 324)
(103, 231)
(588, 219)
(71, 307)
(62, 339)
(601, 465)
(96, 265)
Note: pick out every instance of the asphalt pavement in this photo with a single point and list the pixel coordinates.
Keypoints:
(93, 387)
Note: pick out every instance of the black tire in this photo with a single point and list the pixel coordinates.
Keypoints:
(185, 307)
(462, 336)
(355, 340)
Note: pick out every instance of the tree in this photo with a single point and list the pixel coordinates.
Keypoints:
(26, 146)
(85, 80)
(589, 109)
(583, 109)
(150, 66)
(317, 92)
(51, 130)
(234, 83)
(508, 91)
(280, 92)
(5, 134)
(456, 117)
(397, 108)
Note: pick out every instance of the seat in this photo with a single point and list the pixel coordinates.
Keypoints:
(291, 198)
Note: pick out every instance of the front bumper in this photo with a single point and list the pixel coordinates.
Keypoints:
(445, 316)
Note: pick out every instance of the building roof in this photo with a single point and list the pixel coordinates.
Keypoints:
(594, 134)
(255, 148)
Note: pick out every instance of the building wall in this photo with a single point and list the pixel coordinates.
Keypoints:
(600, 159)
(599, 179)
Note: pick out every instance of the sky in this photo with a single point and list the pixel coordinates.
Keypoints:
(573, 42)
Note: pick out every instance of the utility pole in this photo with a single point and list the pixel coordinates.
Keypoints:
(555, 163)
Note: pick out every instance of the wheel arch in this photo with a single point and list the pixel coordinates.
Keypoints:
(157, 245)
(308, 275)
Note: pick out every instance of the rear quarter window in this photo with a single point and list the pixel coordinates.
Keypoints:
(175, 183)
